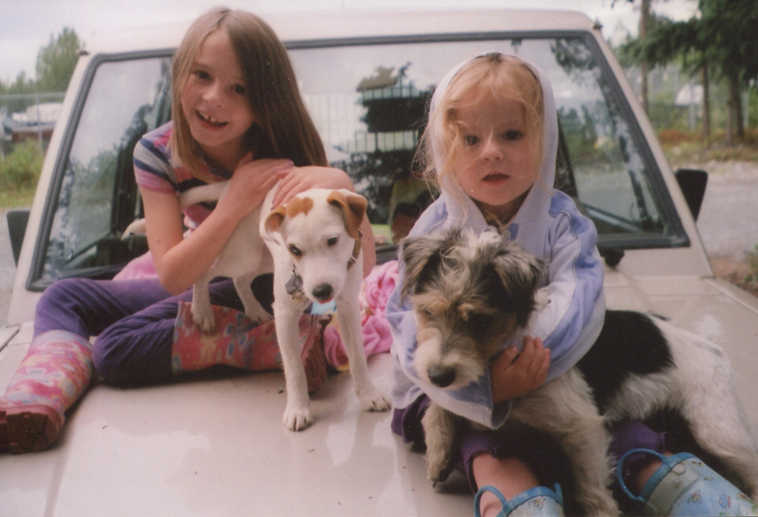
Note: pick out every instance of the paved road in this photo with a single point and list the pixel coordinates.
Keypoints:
(728, 222)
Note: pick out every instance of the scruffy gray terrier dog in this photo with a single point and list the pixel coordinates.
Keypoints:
(472, 293)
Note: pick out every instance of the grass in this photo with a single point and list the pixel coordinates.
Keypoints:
(20, 167)
(16, 198)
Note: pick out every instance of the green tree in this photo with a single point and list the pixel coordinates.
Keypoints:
(668, 41)
(22, 84)
(729, 31)
(646, 19)
(720, 43)
(56, 60)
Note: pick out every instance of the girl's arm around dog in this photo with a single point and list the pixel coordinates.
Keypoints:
(180, 261)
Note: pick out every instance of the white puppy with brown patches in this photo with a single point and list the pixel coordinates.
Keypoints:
(313, 247)
(316, 245)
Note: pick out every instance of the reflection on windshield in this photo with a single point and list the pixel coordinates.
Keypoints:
(97, 194)
(370, 104)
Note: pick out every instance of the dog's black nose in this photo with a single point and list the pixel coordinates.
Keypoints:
(441, 376)
(322, 292)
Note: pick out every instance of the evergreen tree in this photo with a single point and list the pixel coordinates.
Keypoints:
(56, 60)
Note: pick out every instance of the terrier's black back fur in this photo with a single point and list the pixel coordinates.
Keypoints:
(629, 343)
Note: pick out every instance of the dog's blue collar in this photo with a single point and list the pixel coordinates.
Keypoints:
(318, 309)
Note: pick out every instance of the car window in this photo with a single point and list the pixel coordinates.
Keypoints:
(96, 193)
(369, 102)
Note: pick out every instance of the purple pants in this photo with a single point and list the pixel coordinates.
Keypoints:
(132, 319)
(514, 440)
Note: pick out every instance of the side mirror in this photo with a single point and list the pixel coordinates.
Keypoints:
(692, 182)
(17, 219)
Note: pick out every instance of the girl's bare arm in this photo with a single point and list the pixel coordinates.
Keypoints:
(181, 261)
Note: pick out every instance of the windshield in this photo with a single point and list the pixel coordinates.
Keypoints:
(369, 103)
(96, 192)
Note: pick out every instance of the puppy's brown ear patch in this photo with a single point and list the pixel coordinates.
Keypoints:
(275, 219)
(353, 208)
(299, 205)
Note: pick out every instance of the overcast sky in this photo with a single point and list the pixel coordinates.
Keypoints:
(27, 25)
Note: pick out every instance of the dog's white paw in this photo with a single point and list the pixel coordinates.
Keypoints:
(372, 400)
(438, 465)
(297, 419)
(204, 319)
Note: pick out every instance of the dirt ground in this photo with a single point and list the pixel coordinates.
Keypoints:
(735, 271)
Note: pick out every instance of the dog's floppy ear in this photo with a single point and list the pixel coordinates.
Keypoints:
(275, 218)
(422, 257)
(520, 273)
(353, 208)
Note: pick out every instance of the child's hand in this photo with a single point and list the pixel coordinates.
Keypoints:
(251, 181)
(514, 378)
(300, 179)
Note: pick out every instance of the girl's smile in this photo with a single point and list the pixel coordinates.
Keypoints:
(209, 121)
(215, 102)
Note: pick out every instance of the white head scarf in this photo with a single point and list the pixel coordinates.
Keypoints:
(530, 218)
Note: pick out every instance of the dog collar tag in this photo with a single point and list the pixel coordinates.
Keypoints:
(294, 284)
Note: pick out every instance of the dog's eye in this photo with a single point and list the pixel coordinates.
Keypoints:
(449, 262)
(331, 241)
(295, 251)
(426, 313)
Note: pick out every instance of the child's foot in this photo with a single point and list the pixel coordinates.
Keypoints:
(28, 428)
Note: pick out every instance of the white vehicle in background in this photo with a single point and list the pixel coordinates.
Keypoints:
(215, 445)
(36, 121)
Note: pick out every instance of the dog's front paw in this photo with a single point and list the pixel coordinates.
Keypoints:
(372, 400)
(297, 419)
(439, 430)
(204, 319)
(438, 465)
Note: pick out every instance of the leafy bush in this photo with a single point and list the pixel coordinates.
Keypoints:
(20, 169)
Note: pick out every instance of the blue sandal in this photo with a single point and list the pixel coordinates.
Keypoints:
(539, 501)
(685, 486)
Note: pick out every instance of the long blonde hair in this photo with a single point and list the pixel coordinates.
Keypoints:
(494, 76)
(283, 128)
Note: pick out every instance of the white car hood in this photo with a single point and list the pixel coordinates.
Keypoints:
(216, 446)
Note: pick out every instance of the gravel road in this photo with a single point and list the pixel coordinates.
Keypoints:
(728, 221)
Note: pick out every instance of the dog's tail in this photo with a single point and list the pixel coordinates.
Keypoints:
(209, 192)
